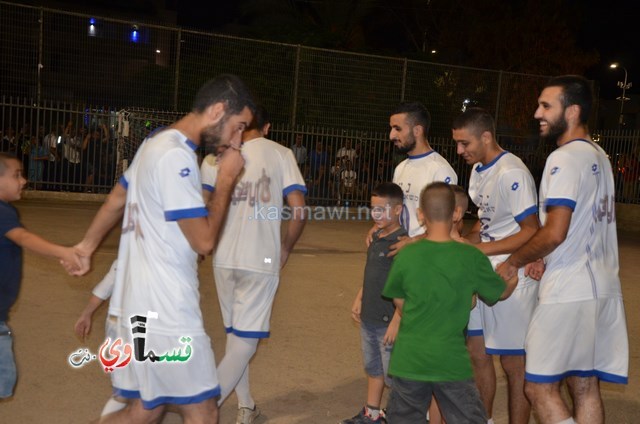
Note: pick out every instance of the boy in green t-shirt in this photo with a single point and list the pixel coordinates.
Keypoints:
(432, 283)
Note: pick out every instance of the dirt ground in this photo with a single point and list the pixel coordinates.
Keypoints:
(309, 371)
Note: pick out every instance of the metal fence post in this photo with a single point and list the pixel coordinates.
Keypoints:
(296, 76)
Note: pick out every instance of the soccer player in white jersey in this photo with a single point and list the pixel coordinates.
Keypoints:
(166, 225)
(578, 332)
(409, 128)
(504, 191)
(410, 123)
(251, 253)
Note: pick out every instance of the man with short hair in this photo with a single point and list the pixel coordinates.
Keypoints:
(166, 225)
(251, 252)
(578, 331)
(504, 191)
(410, 123)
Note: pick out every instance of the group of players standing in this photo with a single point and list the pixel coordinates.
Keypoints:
(571, 324)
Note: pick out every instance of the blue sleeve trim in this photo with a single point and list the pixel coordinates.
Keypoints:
(611, 378)
(561, 202)
(474, 333)
(508, 352)
(529, 211)
(185, 213)
(248, 334)
(294, 187)
(123, 182)
(208, 187)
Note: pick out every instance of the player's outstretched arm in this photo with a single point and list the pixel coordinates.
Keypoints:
(545, 241)
(507, 245)
(370, 233)
(296, 224)
(392, 329)
(82, 326)
(356, 307)
(33, 242)
(108, 215)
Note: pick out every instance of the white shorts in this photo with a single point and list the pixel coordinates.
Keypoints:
(246, 299)
(582, 339)
(474, 327)
(505, 323)
(188, 380)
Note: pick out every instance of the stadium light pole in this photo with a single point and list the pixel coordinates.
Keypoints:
(624, 85)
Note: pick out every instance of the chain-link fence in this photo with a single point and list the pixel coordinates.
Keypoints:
(65, 75)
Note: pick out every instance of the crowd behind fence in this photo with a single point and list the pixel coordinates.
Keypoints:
(71, 80)
(86, 149)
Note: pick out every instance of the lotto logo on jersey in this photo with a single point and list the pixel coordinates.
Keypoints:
(447, 180)
(184, 172)
(554, 170)
(515, 186)
(594, 169)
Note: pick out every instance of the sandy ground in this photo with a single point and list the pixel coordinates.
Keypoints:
(309, 371)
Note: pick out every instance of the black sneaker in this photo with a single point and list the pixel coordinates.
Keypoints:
(364, 418)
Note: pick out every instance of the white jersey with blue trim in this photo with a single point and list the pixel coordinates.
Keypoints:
(157, 268)
(250, 239)
(584, 266)
(505, 193)
(412, 175)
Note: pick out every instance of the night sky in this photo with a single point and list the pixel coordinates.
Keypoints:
(612, 27)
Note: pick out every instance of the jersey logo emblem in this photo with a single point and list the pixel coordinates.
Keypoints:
(447, 180)
(515, 186)
(594, 168)
(184, 172)
(554, 170)
(267, 260)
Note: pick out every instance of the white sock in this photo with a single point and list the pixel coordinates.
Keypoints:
(111, 406)
(233, 370)
(373, 412)
(568, 421)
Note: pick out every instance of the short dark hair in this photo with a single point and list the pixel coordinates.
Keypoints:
(417, 114)
(438, 202)
(388, 190)
(476, 119)
(227, 89)
(4, 159)
(576, 90)
(461, 196)
(260, 118)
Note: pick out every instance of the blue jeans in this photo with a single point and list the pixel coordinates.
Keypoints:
(375, 354)
(459, 401)
(8, 373)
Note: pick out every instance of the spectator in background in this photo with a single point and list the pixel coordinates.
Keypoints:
(38, 155)
(300, 153)
(51, 171)
(348, 179)
(336, 176)
(73, 139)
(90, 153)
(318, 159)
(347, 152)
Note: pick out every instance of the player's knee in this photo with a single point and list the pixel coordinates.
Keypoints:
(513, 364)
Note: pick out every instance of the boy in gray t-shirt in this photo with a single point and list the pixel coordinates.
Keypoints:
(378, 319)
